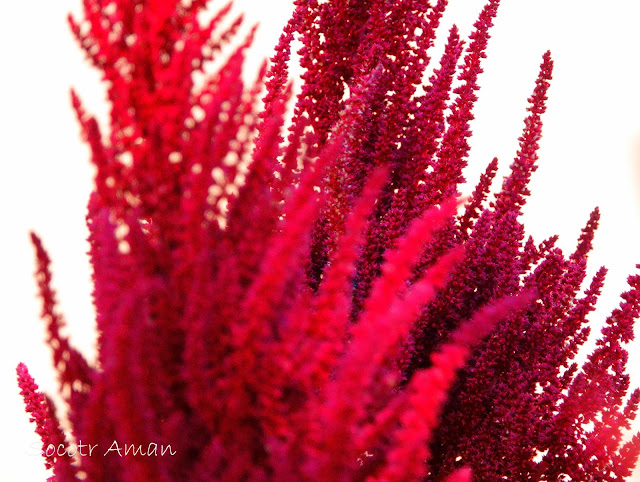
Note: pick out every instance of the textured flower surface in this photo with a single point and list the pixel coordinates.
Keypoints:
(292, 290)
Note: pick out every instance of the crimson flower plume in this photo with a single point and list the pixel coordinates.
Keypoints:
(293, 289)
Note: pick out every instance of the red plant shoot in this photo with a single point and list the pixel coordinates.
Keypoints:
(299, 294)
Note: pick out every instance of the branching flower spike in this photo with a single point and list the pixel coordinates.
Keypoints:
(293, 290)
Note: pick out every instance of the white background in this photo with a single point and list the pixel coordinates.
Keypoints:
(589, 156)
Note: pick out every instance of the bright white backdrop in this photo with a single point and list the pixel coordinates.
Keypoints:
(589, 156)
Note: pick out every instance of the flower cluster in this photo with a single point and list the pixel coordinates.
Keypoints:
(298, 294)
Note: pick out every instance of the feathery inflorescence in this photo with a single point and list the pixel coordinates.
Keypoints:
(294, 291)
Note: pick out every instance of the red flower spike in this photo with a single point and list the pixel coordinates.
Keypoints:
(461, 475)
(303, 300)
(74, 373)
(42, 414)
